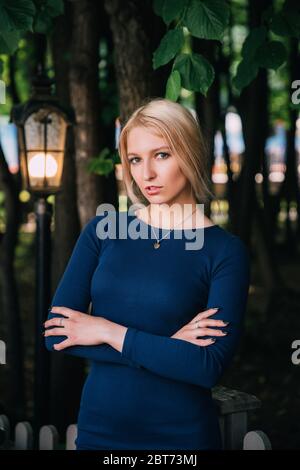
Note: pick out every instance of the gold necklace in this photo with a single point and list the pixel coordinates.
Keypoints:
(157, 243)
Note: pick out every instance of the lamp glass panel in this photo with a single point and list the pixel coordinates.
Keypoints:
(45, 134)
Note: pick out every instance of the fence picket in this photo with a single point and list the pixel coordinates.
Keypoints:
(256, 440)
(23, 436)
(233, 428)
(5, 431)
(48, 437)
(71, 435)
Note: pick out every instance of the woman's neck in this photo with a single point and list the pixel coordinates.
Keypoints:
(187, 215)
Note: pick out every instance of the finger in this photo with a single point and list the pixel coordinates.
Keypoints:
(56, 321)
(209, 322)
(209, 331)
(205, 314)
(67, 312)
(204, 342)
(64, 344)
(55, 332)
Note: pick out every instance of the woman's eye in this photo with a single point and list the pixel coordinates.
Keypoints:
(131, 159)
(163, 153)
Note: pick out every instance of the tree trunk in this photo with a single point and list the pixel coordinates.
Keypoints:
(253, 106)
(290, 186)
(208, 108)
(67, 372)
(136, 32)
(84, 91)
(109, 105)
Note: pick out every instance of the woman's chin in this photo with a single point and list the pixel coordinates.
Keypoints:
(156, 198)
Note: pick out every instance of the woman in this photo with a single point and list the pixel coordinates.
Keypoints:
(166, 319)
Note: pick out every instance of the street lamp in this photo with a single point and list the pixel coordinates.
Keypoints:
(42, 125)
(42, 128)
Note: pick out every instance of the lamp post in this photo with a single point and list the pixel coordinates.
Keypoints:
(42, 126)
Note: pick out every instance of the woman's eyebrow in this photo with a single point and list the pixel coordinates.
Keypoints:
(151, 151)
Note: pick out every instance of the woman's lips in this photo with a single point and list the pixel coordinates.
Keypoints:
(153, 189)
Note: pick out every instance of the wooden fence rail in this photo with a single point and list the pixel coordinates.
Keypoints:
(233, 406)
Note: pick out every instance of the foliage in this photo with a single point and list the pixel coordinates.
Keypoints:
(209, 20)
(104, 163)
(20, 16)
(46, 11)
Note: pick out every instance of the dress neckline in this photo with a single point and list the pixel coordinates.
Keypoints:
(175, 229)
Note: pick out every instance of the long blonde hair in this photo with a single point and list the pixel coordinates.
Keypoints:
(184, 136)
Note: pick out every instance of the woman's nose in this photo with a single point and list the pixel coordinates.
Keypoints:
(149, 171)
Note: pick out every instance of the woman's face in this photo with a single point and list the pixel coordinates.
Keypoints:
(153, 164)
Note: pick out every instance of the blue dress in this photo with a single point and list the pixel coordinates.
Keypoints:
(155, 393)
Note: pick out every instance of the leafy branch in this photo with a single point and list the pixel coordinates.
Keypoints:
(104, 163)
(20, 16)
(209, 19)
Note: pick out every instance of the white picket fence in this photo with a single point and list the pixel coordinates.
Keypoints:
(49, 437)
(23, 436)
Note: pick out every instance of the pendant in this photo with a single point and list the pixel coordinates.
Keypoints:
(156, 245)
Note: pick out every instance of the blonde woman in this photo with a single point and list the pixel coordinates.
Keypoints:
(167, 315)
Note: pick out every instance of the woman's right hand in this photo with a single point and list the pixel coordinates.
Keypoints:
(199, 326)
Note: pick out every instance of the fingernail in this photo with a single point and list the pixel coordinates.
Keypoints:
(217, 308)
(213, 340)
(226, 322)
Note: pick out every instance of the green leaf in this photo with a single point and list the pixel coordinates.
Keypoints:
(271, 55)
(173, 86)
(102, 167)
(287, 21)
(16, 15)
(197, 74)
(169, 10)
(246, 72)
(54, 7)
(279, 25)
(9, 41)
(103, 164)
(207, 19)
(253, 41)
(116, 157)
(47, 10)
(42, 23)
(170, 44)
(248, 67)
(267, 14)
(158, 7)
(258, 52)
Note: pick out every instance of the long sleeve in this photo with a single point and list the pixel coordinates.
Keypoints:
(73, 291)
(181, 360)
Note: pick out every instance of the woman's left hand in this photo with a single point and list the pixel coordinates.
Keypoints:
(80, 328)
